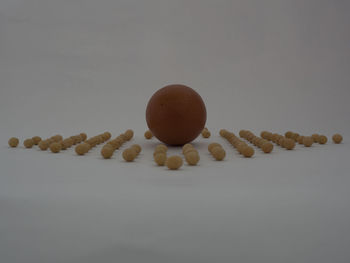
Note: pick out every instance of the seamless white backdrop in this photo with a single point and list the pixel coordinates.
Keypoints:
(73, 66)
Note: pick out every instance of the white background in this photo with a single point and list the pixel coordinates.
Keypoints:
(73, 66)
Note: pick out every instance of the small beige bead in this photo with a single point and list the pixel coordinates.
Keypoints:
(137, 148)
(44, 145)
(322, 139)
(129, 134)
(223, 133)
(82, 148)
(190, 149)
(205, 133)
(129, 154)
(57, 138)
(192, 158)
(36, 140)
(212, 145)
(28, 143)
(267, 147)
(186, 146)
(83, 136)
(156, 151)
(247, 151)
(174, 162)
(337, 138)
(315, 137)
(218, 153)
(13, 142)
(263, 134)
(55, 147)
(162, 146)
(148, 135)
(242, 133)
(289, 144)
(107, 135)
(295, 136)
(268, 136)
(160, 158)
(107, 151)
(308, 141)
(288, 134)
(301, 139)
(274, 137)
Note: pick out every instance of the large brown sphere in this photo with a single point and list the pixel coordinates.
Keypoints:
(176, 114)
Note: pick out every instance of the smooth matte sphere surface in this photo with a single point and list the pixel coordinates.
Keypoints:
(176, 114)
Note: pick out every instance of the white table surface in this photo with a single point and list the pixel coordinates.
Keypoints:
(91, 66)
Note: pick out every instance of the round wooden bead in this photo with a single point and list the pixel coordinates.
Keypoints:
(218, 153)
(129, 154)
(83, 136)
(161, 147)
(337, 138)
(288, 134)
(174, 162)
(13, 142)
(137, 148)
(186, 146)
(44, 145)
(315, 137)
(160, 158)
(267, 147)
(301, 139)
(129, 134)
(192, 158)
(148, 135)
(322, 139)
(82, 148)
(289, 143)
(28, 143)
(308, 141)
(205, 133)
(55, 147)
(247, 151)
(107, 151)
(212, 145)
(36, 140)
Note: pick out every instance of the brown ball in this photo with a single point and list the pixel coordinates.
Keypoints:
(148, 135)
(137, 148)
(308, 141)
(247, 151)
(36, 140)
(337, 138)
(129, 134)
(176, 114)
(295, 136)
(315, 137)
(174, 162)
(107, 151)
(13, 142)
(82, 148)
(44, 145)
(267, 147)
(218, 153)
(129, 154)
(28, 143)
(322, 139)
(289, 144)
(55, 147)
(160, 158)
(83, 136)
(192, 158)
